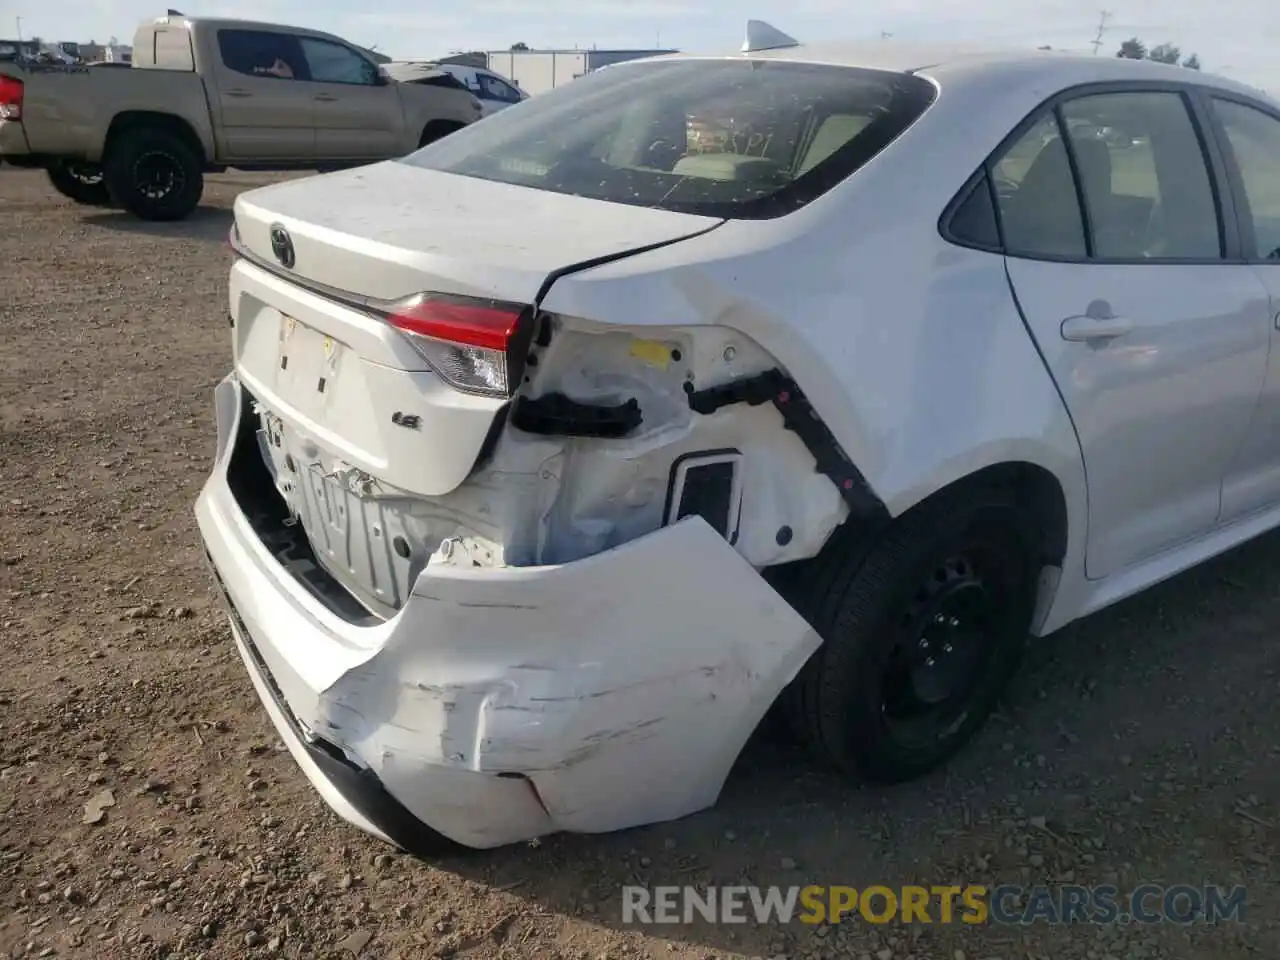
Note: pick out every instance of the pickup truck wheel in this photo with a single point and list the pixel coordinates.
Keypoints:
(154, 174)
(437, 129)
(921, 636)
(81, 182)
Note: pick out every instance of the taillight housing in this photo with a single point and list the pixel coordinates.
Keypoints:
(476, 345)
(11, 93)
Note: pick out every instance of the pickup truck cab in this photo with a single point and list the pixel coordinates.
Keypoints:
(204, 95)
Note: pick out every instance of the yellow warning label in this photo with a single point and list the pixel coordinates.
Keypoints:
(653, 352)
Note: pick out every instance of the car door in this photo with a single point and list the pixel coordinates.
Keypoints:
(1126, 269)
(1249, 134)
(358, 114)
(266, 114)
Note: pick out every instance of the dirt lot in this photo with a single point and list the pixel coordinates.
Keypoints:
(1141, 746)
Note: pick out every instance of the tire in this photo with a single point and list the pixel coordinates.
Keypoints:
(81, 182)
(438, 129)
(968, 557)
(154, 174)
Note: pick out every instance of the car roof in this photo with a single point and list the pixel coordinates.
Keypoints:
(1051, 69)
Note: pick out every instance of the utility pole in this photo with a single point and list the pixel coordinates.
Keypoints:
(1103, 18)
(18, 20)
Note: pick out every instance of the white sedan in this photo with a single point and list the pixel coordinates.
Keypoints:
(558, 452)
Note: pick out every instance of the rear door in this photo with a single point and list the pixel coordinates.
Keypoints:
(1130, 281)
(267, 114)
(357, 113)
(1250, 137)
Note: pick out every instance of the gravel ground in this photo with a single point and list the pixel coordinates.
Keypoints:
(1140, 746)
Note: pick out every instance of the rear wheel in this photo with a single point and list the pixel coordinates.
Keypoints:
(81, 182)
(154, 174)
(437, 129)
(920, 637)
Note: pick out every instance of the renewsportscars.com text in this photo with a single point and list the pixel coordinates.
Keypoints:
(968, 904)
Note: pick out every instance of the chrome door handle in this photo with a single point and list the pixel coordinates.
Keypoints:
(239, 93)
(1083, 328)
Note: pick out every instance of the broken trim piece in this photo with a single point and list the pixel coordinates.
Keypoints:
(799, 417)
(675, 510)
(556, 415)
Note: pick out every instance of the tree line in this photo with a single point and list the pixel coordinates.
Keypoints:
(1135, 49)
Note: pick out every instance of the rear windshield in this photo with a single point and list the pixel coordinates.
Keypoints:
(741, 139)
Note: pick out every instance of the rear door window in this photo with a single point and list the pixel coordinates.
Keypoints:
(1145, 179)
(261, 53)
(1129, 183)
(1039, 207)
(725, 138)
(1254, 140)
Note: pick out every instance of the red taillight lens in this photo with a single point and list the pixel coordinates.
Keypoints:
(11, 92)
(471, 343)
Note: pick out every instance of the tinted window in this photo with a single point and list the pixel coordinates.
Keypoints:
(1146, 185)
(974, 221)
(1254, 138)
(260, 53)
(333, 63)
(1039, 209)
(730, 138)
(494, 89)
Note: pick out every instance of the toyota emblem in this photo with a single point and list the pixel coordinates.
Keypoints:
(282, 246)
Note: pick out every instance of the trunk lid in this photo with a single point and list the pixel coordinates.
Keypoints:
(391, 230)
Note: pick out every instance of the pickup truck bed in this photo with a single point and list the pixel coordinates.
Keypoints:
(205, 95)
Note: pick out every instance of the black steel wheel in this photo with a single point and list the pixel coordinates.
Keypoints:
(81, 182)
(922, 631)
(154, 174)
(947, 634)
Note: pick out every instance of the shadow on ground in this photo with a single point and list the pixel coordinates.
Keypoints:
(1169, 695)
(205, 223)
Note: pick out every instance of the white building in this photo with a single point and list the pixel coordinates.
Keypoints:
(536, 71)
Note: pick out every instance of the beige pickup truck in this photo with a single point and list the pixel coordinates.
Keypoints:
(205, 95)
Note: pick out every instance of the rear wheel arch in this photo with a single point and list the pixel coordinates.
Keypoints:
(438, 129)
(135, 120)
(1037, 491)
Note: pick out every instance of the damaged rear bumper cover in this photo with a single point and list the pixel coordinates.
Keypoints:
(503, 704)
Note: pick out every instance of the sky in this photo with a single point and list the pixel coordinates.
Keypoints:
(1229, 37)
